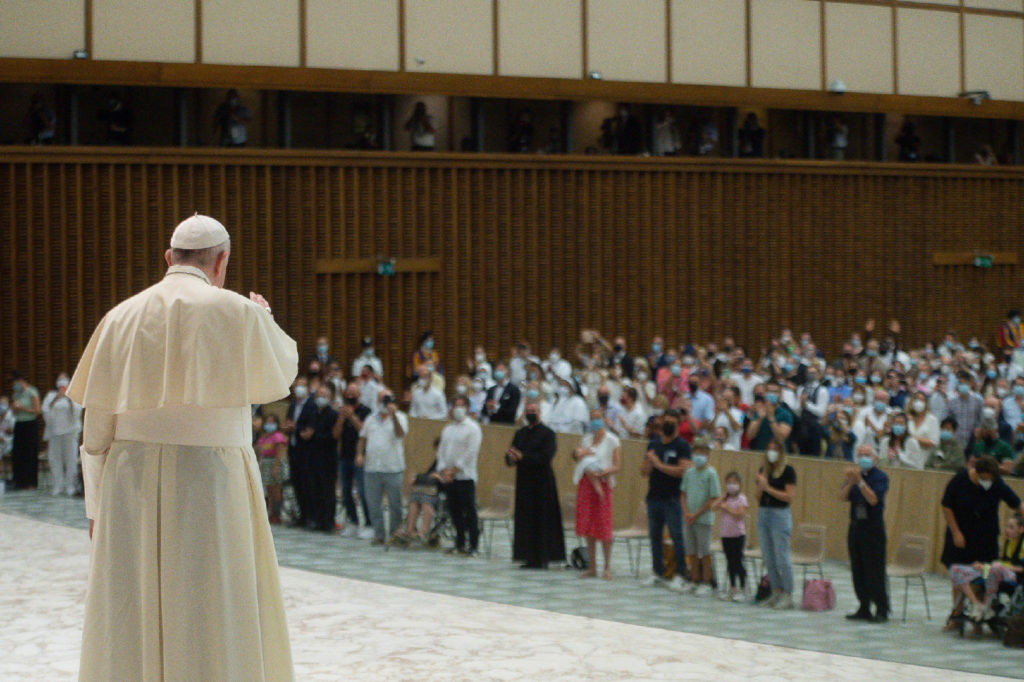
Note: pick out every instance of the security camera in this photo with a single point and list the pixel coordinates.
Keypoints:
(595, 75)
(976, 96)
(837, 87)
(80, 54)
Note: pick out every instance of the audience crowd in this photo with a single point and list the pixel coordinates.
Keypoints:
(946, 405)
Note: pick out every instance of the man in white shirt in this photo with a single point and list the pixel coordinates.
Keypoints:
(729, 417)
(746, 381)
(427, 401)
(633, 419)
(381, 453)
(457, 455)
(368, 359)
(63, 418)
(521, 357)
(369, 388)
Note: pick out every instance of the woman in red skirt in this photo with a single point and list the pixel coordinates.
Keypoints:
(597, 460)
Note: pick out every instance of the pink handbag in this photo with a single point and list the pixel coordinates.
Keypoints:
(818, 596)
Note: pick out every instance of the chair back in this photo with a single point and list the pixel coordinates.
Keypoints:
(809, 542)
(568, 504)
(502, 499)
(912, 553)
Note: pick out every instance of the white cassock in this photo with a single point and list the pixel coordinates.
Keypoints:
(183, 580)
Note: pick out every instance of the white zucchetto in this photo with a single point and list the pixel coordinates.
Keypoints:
(198, 232)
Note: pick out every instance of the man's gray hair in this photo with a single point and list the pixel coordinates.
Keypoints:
(200, 258)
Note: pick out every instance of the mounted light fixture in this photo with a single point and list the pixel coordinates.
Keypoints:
(976, 96)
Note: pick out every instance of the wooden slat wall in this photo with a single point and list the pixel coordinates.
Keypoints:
(530, 247)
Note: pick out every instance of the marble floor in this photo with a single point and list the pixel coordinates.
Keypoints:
(357, 612)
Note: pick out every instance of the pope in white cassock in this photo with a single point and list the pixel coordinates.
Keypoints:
(183, 580)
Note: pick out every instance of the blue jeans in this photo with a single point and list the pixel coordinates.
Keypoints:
(347, 472)
(661, 513)
(774, 526)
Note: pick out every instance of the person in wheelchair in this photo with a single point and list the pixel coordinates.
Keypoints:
(1005, 572)
(423, 500)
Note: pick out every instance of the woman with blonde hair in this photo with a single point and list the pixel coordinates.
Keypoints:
(776, 485)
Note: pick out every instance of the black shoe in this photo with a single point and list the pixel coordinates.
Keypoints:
(532, 567)
(879, 618)
(859, 615)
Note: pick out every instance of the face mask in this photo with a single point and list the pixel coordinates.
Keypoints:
(693, 387)
(860, 380)
(865, 463)
(429, 368)
(554, 357)
(603, 400)
(788, 367)
(321, 401)
(532, 418)
(858, 398)
(478, 386)
(1018, 389)
(988, 413)
(945, 435)
(321, 349)
(461, 389)
(700, 461)
(270, 427)
(618, 348)
(669, 429)
(985, 485)
(773, 456)
(481, 358)
(429, 344)
(533, 394)
(879, 406)
(458, 413)
(499, 375)
(876, 379)
(963, 389)
(746, 370)
(919, 406)
(596, 424)
(732, 488)
(301, 392)
(772, 398)
(898, 429)
(655, 348)
(676, 370)
(641, 376)
(4, 407)
(564, 391)
(62, 383)
(991, 374)
(1002, 391)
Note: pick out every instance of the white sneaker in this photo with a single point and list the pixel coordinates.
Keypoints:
(365, 533)
(677, 584)
(652, 580)
(350, 531)
(726, 596)
(739, 597)
(703, 591)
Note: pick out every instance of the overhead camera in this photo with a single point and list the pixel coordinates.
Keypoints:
(837, 87)
(976, 96)
(80, 54)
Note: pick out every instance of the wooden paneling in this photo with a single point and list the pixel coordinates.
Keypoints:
(913, 503)
(518, 246)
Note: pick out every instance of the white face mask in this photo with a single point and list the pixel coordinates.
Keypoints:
(301, 392)
(458, 413)
(988, 413)
(481, 358)
(919, 406)
(461, 389)
(732, 488)
(62, 383)
(985, 485)
(773, 456)
(641, 376)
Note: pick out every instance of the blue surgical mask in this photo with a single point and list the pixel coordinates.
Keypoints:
(861, 380)
(945, 435)
(963, 389)
(596, 424)
(655, 348)
(429, 344)
(898, 429)
(270, 427)
(499, 375)
(1018, 389)
(879, 406)
(676, 370)
(533, 394)
(746, 370)
(772, 398)
(700, 461)
(865, 463)
(788, 367)
(322, 349)
(991, 374)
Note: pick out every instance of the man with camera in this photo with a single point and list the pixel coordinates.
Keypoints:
(381, 453)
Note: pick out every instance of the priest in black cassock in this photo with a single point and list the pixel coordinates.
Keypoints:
(538, 519)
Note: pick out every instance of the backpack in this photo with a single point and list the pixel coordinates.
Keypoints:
(579, 559)
(818, 595)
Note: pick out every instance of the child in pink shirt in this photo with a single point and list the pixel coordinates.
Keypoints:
(733, 532)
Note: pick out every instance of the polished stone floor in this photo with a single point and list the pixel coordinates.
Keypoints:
(343, 585)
